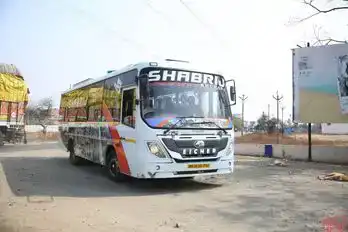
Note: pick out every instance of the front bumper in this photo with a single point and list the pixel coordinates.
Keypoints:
(187, 169)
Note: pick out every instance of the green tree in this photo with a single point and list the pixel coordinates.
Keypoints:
(266, 125)
(261, 123)
(271, 125)
(237, 123)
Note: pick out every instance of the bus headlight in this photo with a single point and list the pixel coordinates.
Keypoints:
(157, 149)
(229, 149)
(153, 148)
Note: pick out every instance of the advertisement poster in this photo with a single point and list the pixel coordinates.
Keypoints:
(320, 84)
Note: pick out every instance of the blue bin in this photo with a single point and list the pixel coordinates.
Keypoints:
(268, 150)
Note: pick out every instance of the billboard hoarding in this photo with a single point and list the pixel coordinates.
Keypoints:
(320, 84)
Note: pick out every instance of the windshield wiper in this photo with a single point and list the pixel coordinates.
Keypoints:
(209, 122)
(180, 120)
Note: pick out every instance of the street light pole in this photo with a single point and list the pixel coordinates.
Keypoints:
(283, 107)
(243, 98)
(278, 99)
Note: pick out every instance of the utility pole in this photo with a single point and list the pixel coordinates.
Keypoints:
(243, 98)
(269, 111)
(278, 98)
(283, 107)
(309, 129)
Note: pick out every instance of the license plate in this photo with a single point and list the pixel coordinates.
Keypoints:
(198, 165)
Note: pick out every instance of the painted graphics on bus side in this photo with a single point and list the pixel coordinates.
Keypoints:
(88, 114)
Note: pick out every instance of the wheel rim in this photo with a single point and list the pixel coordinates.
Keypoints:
(113, 167)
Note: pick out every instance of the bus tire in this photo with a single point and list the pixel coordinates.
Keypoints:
(73, 158)
(2, 138)
(112, 167)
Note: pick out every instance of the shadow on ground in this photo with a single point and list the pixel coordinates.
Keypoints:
(55, 176)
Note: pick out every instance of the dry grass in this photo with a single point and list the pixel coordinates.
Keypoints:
(258, 138)
(295, 139)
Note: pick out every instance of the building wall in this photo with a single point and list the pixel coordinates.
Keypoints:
(334, 128)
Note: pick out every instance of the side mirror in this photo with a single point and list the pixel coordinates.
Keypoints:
(233, 93)
(144, 86)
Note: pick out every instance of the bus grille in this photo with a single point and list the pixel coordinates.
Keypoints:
(210, 149)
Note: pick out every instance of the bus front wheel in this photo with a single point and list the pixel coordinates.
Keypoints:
(73, 158)
(112, 167)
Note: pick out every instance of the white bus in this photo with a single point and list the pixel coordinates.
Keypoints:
(151, 120)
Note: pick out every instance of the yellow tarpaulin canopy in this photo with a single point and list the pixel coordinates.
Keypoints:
(12, 88)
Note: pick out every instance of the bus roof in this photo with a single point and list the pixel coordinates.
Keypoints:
(168, 63)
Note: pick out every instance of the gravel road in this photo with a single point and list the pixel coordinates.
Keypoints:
(41, 191)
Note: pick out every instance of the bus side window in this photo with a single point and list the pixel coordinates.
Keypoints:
(81, 114)
(112, 98)
(128, 107)
(94, 113)
(61, 114)
(71, 114)
(94, 103)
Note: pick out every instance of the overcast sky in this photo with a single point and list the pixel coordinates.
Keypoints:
(58, 43)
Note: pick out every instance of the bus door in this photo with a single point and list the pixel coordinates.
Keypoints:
(127, 127)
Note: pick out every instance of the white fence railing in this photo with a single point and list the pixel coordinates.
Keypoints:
(38, 128)
(326, 154)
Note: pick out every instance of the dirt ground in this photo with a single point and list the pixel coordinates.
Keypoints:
(39, 136)
(41, 191)
(295, 139)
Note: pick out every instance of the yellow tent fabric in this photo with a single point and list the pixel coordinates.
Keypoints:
(12, 88)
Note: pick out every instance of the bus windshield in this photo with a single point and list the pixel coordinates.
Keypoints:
(172, 101)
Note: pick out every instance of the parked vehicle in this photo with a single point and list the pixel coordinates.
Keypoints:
(13, 101)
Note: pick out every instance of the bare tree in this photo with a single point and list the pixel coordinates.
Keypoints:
(317, 10)
(320, 40)
(40, 113)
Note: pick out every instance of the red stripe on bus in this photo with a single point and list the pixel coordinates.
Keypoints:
(120, 153)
